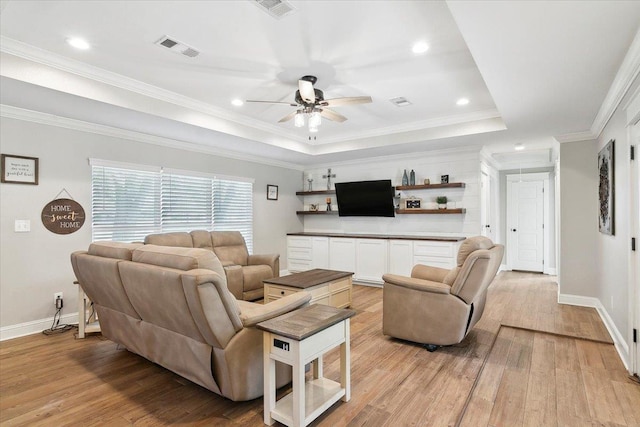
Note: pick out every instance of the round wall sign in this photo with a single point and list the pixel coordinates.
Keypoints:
(63, 216)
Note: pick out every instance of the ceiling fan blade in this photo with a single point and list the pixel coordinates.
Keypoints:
(332, 115)
(273, 102)
(307, 93)
(337, 102)
(288, 117)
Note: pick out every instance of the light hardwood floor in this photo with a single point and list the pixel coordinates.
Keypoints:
(529, 361)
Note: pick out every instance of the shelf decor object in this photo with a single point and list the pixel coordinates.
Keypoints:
(442, 202)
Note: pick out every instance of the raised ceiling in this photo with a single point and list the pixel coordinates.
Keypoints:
(531, 70)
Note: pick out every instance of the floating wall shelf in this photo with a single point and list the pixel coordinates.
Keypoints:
(431, 186)
(313, 193)
(431, 211)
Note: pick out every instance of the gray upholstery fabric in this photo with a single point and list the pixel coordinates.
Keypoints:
(172, 306)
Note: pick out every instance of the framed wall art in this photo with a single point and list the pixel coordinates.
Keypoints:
(272, 192)
(19, 169)
(606, 189)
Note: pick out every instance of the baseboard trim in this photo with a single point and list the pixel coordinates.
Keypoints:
(618, 339)
(34, 327)
(551, 271)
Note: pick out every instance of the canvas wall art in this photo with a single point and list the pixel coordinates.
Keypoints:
(606, 189)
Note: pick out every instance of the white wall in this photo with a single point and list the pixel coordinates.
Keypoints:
(460, 165)
(35, 265)
(578, 219)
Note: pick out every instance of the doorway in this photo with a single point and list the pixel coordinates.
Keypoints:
(528, 211)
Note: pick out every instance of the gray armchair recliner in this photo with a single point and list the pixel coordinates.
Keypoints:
(436, 306)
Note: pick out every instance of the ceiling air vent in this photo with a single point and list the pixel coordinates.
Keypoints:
(177, 47)
(400, 101)
(275, 8)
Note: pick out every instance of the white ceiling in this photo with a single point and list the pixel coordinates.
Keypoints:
(531, 70)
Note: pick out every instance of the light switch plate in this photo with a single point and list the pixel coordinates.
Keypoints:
(22, 226)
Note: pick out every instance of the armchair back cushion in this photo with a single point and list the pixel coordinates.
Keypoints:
(230, 246)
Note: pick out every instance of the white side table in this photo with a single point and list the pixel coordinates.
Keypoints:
(298, 338)
(86, 325)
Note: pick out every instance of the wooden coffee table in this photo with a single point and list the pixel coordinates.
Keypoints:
(328, 287)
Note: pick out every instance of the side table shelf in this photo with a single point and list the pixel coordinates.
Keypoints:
(86, 323)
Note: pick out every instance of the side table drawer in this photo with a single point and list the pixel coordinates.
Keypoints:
(275, 292)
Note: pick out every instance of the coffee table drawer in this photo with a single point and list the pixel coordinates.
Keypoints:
(275, 292)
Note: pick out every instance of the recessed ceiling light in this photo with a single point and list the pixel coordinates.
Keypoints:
(519, 147)
(78, 43)
(237, 102)
(462, 101)
(420, 47)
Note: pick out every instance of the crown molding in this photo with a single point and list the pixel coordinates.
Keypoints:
(625, 77)
(50, 59)
(419, 125)
(82, 126)
(468, 150)
(586, 135)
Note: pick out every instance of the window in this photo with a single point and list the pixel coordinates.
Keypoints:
(131, 201)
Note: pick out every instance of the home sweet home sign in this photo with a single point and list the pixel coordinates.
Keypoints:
(63, 216)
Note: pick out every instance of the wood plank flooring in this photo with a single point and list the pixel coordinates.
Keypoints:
(530, 372)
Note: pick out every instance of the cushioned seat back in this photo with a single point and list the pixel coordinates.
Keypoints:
(478, 263)
(179, 239)
(202, 239)
(160, 284)
(97, 272)
(230, 246)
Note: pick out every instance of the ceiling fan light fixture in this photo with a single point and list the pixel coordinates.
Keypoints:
(313, 129)
(298, 120)
(315, 119)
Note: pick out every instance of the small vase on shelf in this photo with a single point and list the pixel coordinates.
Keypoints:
(405, 178)
(412, 178)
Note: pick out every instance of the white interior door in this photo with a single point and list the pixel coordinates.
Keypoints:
(525, 225)
(634, 272)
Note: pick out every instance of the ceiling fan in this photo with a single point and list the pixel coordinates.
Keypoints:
(310, 102)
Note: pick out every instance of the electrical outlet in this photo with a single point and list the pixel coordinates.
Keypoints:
(56, 296)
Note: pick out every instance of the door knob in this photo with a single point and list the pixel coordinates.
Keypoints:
(487, 226)
(513, 229)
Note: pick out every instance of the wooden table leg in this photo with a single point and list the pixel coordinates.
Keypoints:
(269, 380)
(345, 363)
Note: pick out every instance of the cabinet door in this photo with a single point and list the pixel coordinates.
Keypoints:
(299, 253)
(400, 257)
(320, 252)
(371, 259)
(342, 254)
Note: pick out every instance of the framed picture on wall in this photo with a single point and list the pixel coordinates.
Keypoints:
(19, 169)
(606, 189)
(272, 192)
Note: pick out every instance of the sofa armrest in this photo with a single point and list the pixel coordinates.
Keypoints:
(417, 284)
(227, 263)
(235, 280)
(426, 272)
(252, 313)
(272, 260)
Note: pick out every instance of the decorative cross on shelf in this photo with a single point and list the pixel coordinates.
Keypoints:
(329, 176)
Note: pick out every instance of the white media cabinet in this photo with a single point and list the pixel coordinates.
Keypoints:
(369, 256)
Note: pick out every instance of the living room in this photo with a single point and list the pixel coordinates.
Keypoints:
(120, 124)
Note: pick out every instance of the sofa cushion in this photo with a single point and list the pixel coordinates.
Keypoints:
(253, 276)
(180, 239)
(202, 239)
(178, 258)
(117, 250)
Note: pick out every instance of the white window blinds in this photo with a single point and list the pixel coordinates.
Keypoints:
(125, 203)
(129, 203)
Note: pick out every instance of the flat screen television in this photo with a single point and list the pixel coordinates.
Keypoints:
(365, 198)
